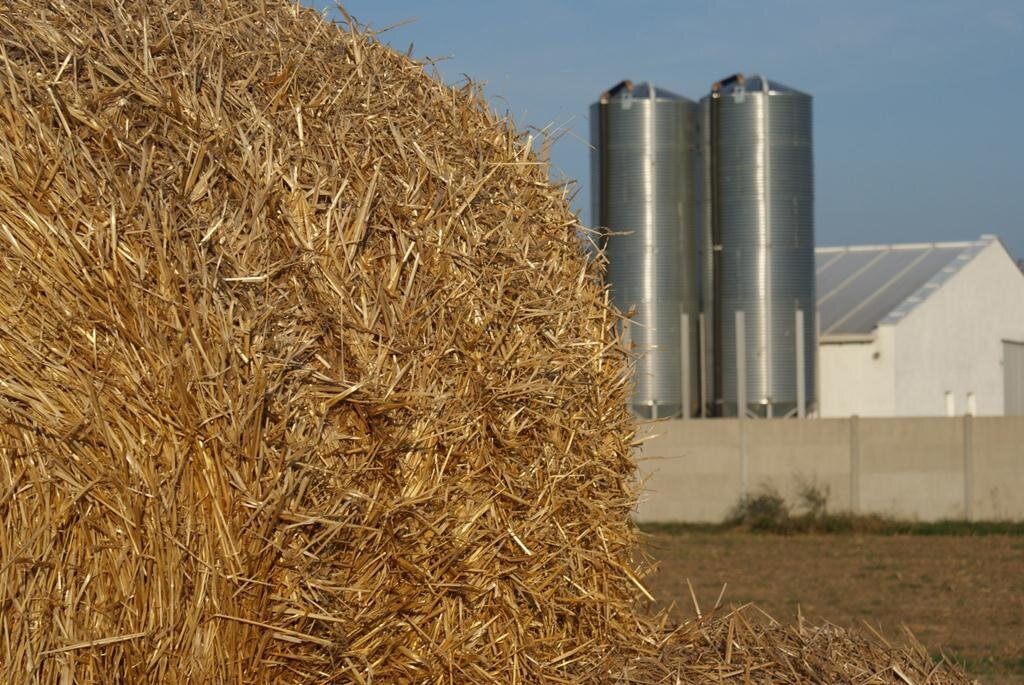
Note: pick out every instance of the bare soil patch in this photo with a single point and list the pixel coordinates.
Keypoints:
(961, 596)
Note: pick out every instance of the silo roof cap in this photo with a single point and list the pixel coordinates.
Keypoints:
(638, 91)
(752, 84)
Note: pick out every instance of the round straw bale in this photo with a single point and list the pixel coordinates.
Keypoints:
(303, 375)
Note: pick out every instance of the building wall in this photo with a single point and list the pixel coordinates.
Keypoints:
(923, 469)
(858, 378)
(953, 340)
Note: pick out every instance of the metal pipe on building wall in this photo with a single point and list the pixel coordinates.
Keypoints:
(644, 171)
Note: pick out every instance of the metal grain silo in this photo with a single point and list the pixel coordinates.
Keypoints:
(645, 201)
(758, 243)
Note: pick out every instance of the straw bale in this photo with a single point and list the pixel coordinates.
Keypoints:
(748, 646)
(303, 375)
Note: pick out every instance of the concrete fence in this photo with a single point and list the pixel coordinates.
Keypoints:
(923, 469)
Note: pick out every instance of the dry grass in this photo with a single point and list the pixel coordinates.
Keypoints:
(303, 375)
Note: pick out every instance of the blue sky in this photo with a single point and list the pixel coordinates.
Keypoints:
(919, 106)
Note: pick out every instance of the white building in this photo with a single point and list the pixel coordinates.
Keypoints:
(920, 330)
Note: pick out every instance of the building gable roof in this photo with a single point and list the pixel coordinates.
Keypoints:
(862, 287)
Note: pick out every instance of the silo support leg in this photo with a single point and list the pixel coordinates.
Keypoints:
(801, 391)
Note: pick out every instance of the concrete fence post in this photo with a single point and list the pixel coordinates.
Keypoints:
(854, 423)
(968, 467)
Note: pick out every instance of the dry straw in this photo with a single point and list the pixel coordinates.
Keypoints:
(303, 377)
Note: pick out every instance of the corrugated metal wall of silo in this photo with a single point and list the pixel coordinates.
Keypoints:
(644, 169)
(759, 241)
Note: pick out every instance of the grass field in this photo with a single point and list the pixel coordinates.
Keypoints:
(962, 596)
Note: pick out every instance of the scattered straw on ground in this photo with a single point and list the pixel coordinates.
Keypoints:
(304, 377)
